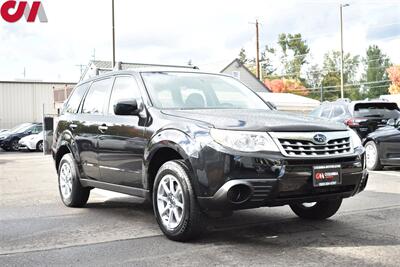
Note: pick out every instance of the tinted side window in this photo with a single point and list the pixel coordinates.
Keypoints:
(337, 112)
(37, 129)
(325, 112)
(75, 99)
(124, 88)
(96, 97)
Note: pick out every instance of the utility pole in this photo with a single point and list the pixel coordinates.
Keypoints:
(257, 51)
(94, 54)
(341, 51)
(322, 93)
(113, 34)
(81, 66)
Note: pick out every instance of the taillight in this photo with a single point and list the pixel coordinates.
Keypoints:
(354, 121)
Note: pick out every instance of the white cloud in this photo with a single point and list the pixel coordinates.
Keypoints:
(210, 33)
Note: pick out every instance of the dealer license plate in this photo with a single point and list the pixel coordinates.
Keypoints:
(327, 175)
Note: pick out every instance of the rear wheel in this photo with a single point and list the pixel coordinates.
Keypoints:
(175, 204)
(71, 191)
(372, 156)
(317, 210)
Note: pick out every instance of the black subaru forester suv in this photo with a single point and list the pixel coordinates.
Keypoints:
(195, 144)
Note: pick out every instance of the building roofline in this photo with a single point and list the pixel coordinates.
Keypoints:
(39, 82)
(236, 60)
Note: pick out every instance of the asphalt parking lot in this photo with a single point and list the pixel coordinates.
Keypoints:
(36, 229)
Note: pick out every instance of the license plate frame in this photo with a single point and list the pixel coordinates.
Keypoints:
(327, 175)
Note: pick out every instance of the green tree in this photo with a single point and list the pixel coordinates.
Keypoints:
(243, 57)
(314, 80)
(375, 64)
(267, 68)
(331, 75)
(295, 51)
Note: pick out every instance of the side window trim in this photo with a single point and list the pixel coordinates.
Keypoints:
(88, 84)
(87, 92)
(78, 111)
(107, 110)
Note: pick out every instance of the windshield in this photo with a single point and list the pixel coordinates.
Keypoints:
(384, 110)
(20, 128)
(175, 90)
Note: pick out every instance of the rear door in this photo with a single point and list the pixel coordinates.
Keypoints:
(88, 130)
(122, 142)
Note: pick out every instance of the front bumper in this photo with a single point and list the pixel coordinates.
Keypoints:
(26, 144)
(275, 180)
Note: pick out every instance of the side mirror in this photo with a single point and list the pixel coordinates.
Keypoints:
(127, 108)
(391, 122)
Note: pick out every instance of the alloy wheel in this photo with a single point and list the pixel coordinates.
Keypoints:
(370, 153)
(65, 180)
(15, 145)
(40, 146)
(170, 202)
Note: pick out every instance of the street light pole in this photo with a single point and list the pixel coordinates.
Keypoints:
(341, 51)
(257, 51)
(113, 35)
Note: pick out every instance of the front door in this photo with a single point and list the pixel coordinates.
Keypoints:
(390, 146)
(87, 130)
(122, 142)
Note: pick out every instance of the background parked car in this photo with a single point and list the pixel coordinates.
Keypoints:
(383, 147)
(33, 142)
(9, 140)
(362, 116)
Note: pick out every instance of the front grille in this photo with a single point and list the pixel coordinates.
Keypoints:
(308, 148)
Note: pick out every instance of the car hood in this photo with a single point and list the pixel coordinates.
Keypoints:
(5, 134)
(257, 120)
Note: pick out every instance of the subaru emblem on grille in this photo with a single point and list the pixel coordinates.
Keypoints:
(320, 138)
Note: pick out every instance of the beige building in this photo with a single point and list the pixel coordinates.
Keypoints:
(25, 101)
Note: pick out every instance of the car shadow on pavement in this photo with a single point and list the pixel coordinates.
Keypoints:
(268, 227)
(272, 230)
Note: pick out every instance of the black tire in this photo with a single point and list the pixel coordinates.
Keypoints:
(79, 195)
(14, 146)
(39, 146)
(320, 211)
(192, 222)
(376, 165)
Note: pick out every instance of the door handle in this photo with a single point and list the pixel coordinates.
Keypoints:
(103, 128)
(73, 126)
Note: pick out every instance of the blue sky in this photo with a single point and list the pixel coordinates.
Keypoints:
(210, 33)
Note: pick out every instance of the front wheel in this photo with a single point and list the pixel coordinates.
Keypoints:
(174, 202)
(14, 146)
(318, 210)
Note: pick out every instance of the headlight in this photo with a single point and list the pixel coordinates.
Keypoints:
(355, 139)
(244, 141)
